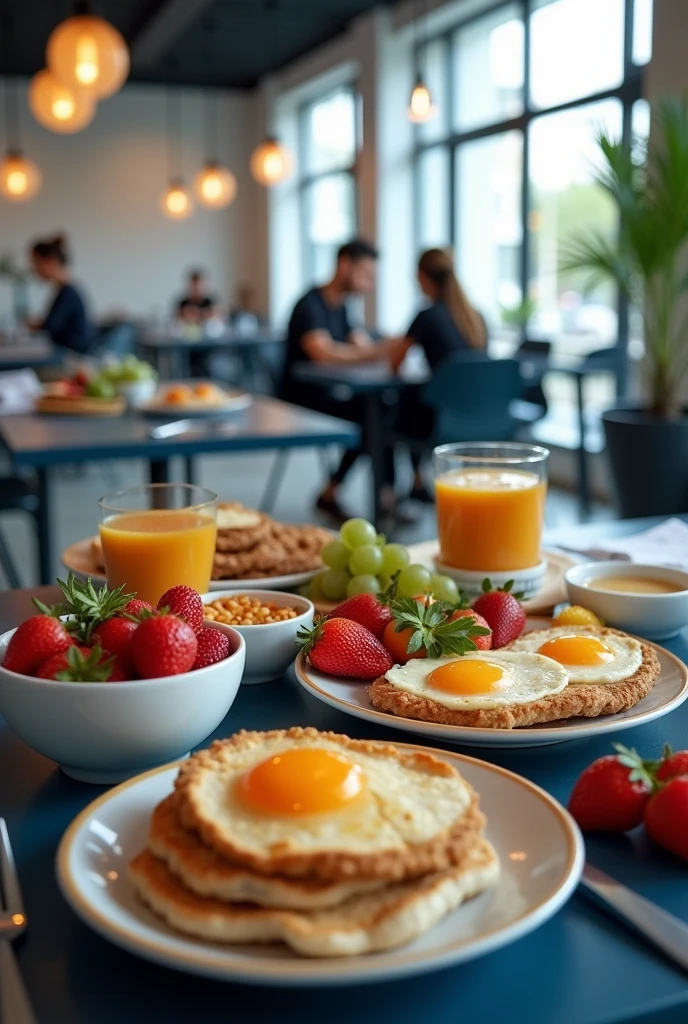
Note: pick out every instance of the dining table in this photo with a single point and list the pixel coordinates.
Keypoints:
(31, 352)
(581, 967)
(171, 351)
(38, 443)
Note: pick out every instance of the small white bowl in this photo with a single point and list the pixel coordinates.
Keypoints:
(526, 581)
(270, 649)
(655, 616)
(138, 391)
(107, 732)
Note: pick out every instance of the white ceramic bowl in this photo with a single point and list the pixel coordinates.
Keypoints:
(270, 649)
(138, 391)
(526, 581)
(106, 732)
(655, 616)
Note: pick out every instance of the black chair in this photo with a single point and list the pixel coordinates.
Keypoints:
(16, 495)
(533, 370)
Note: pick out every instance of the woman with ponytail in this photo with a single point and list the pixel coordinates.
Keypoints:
(66, 322)
(449, 324)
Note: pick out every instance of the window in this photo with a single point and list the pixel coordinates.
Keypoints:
(327, 184)
(507, 177)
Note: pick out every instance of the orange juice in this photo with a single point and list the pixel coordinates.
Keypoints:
(490, 519)
(148, 552)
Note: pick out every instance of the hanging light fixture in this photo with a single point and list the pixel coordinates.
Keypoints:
(421, 107)
(86, 52)
(58, 107)
(271, 162)
(20, 178)
(176, 202)
(215, 186)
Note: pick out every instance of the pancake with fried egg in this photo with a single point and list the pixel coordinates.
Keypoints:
(302, 803)
(627, 685)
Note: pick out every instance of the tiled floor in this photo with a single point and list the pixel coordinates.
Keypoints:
(241, 477)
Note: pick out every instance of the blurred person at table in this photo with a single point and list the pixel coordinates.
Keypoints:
(66, 322)
(449, 324)
(197, 305)
(320, 331)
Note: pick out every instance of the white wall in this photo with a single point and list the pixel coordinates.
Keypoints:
(102, 187)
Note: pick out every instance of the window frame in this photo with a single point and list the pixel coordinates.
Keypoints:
(308, 178)
(628, 92)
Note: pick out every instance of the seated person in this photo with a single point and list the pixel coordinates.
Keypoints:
(197, 305)
(320, 330)
(66, 322)
(449, 324)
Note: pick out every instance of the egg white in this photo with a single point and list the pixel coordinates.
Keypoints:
(527, 677)
(628, 654)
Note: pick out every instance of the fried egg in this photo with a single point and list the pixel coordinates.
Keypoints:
(488, 679)
(588, 655)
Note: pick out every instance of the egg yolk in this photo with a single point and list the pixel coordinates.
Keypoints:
(306, 780)
(468, 677)
(577, 650)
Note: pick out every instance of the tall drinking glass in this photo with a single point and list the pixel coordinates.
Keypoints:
(490, 505)
(158, 536)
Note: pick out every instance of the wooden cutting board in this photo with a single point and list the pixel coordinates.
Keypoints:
(58, 406)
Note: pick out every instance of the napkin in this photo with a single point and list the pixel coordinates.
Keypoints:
(18, 391)
(666, 544)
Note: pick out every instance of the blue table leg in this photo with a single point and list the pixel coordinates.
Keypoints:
(43, 521)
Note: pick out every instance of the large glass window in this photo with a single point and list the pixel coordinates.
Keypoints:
(510, 178)
(327, 183)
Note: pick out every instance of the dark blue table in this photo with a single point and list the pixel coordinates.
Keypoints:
(39, 442)
(171, 353)
(579, 968)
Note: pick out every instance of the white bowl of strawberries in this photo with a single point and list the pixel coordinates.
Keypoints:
(108, 686)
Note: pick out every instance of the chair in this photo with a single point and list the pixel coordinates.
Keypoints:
(16, 495)
(534, 370)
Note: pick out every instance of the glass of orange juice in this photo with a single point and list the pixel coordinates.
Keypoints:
(157, 536)
(490, 505)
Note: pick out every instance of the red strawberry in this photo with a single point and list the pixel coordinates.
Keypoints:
(342, 647)
(115, 635)
(213, 646)
(666, 816)
(163, 645)
(185, 602)
(483, 643)
(83, 665)
(135, 607)
(34, 642)
(367, 610)
(611, 794)
(502, 612)
(672, 764)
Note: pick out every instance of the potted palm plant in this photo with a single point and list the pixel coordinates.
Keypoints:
(647, 443)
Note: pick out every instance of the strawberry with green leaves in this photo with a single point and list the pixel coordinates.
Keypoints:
(502, 611)
(612, 792)
(428, 630)
(86, 606)
(83, 665)
(342, 647)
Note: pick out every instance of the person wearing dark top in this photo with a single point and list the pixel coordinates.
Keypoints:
(66, 322)
(449, 324)
(320, 330)
(196, 305)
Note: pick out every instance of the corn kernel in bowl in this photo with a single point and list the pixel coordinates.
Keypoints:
(244, 610)
(576, 615)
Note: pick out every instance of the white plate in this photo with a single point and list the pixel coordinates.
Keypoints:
(351, 697)
(539, 845)
(78, 558)
(234, 402)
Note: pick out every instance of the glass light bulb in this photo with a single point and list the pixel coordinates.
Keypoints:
(212, 186)
(86, 65)
(59, 107)
(20, 178)
(17, 183)
(271, 162)
(176, 202)
(63, 107)
(421, 108)
(87, 53)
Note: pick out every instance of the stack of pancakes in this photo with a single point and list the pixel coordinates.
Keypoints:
(333, 846)
(251, 545)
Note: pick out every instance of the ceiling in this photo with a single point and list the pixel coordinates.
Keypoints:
(225, 43)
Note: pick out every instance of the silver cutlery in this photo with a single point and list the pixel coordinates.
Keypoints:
(662, 929)
(15, 1007)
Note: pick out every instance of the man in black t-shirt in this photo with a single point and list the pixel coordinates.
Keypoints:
(320, 330)
(196, 305)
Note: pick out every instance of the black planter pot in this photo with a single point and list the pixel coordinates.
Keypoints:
(649, 461)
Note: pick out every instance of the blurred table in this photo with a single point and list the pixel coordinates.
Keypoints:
(32, 352)
(170, 352)
(40, 442)
(581, 967)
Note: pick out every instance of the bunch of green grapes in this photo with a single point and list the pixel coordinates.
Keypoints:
(360, 561)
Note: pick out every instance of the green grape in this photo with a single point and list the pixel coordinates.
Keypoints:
(315, 591)
(335, 555)
(363, 584)
(355, 532)
(413, 580)
(364, 560)
(380, 540)
(334, 584)
(394, 557)
(444, 589)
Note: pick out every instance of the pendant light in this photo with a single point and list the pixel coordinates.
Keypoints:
(86, 52)
(215, 186)
(20, 178)
(271, 162)
(421, 107)
(176, 201)
(58, 107)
